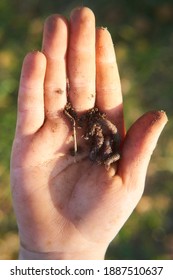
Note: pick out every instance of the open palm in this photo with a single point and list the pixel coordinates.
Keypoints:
(66, 206)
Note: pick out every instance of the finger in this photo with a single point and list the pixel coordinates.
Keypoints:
(31, 94)
(108, 86)
(81, 59)
(139, 144)
(54, 46)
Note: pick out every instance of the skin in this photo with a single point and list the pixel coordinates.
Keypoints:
(70, 208)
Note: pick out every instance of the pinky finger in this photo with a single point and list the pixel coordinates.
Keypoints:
(30, 116)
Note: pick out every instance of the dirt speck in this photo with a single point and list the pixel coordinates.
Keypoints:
(59, 91)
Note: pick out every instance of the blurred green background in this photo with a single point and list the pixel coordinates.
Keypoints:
(143, 35)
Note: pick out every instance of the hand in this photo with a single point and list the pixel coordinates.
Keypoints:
(69, 207)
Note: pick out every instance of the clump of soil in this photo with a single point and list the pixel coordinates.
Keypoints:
(100, 134)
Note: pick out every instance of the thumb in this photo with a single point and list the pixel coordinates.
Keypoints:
(139, 143)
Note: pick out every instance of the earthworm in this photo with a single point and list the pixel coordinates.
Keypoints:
(108, 126)
(102, 135)
(111, 159)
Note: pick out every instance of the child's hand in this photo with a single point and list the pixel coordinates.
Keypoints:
(66, 207)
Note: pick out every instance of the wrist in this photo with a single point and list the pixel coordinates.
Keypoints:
(94, 254)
